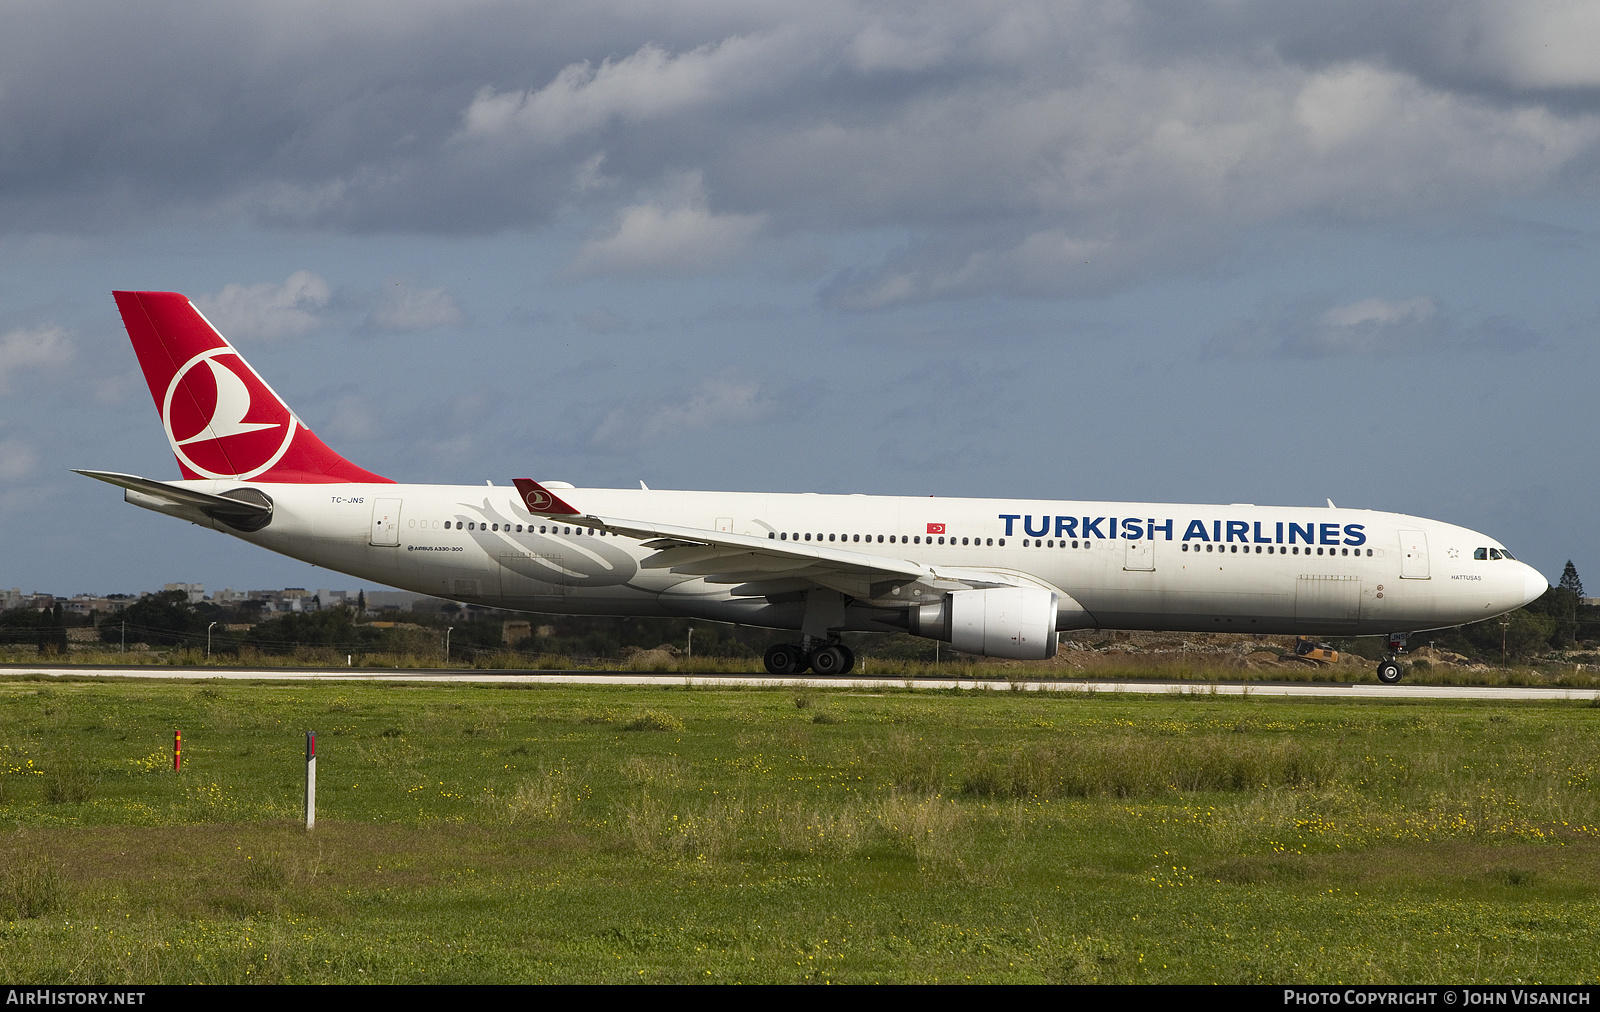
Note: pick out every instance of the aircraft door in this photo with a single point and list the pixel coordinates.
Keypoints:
(1413, 555)
(385, 529)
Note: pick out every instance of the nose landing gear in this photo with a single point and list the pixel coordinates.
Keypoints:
(1389, 670)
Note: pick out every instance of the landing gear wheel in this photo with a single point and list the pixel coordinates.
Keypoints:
(849, 659)
(832, 660)
(784, 659)
(1389, 672)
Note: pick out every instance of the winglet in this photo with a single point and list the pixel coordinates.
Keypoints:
(541, 500)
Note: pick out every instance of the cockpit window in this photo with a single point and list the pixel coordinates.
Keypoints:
(1494, 553)
(1480, 554)
(1508, 555)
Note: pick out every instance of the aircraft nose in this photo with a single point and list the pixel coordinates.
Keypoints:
(1534, 584)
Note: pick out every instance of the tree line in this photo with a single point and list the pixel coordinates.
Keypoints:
(1558, 621)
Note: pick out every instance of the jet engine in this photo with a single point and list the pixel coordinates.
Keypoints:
(1015, 622)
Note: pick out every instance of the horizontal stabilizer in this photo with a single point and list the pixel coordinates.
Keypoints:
(243, 509)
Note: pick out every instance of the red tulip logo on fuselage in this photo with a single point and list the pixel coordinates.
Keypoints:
(222, 420)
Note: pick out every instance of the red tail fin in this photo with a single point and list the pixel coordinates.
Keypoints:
(222, 419)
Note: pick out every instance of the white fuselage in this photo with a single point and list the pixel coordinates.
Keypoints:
(1116, 565)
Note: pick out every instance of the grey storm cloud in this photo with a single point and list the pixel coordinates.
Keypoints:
(1029, 148)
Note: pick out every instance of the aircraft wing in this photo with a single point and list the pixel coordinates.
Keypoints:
(753, 566)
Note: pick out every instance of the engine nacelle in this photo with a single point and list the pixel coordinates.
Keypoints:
(1015, 622)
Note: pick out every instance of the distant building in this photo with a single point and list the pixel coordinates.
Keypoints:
(196, 591)
(86, 605)
(283, 602)
(392, 600)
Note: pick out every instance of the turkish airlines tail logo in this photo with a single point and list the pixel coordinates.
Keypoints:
(221, 418)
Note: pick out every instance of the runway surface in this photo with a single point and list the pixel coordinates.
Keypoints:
(1264, 688)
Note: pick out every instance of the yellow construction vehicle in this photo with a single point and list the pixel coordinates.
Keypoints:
(1307, 649)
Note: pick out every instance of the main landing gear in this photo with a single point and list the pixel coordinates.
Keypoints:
(1389, 670)
(825, 659)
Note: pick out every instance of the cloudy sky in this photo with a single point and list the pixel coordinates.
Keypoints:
(1226, 251)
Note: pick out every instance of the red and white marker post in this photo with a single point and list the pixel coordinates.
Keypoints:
(311, 779)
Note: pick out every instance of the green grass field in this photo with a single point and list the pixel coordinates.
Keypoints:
(472, 834)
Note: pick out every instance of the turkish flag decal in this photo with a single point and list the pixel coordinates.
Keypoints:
(936, 528)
